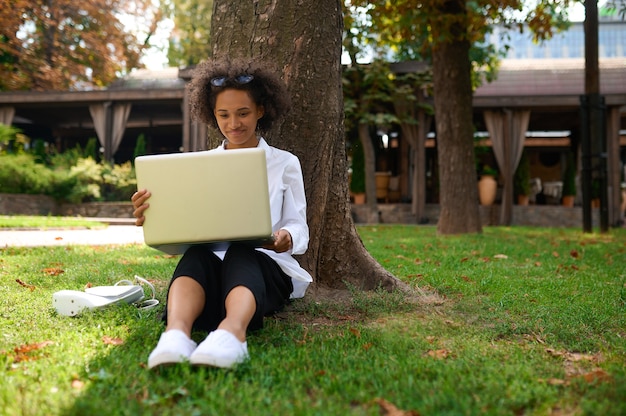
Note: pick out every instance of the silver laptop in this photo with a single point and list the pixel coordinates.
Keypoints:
(207, 197)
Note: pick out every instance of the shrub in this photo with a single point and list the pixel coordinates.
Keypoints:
(521, 179)
(357, 182)
(92, 148)
(118, 182)
(85, 181)
(19, 174)
(140, 146)
(67, 159)
(569, 176)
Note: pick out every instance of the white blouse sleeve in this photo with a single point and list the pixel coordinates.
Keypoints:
(294, 207)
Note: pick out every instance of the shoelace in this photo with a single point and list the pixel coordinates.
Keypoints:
(142, 304)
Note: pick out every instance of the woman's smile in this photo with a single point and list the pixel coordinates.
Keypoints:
(237, 115)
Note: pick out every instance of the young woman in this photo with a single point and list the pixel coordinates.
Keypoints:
(228, 293)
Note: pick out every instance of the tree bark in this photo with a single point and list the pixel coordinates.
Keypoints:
(303, 38)
(453, 109)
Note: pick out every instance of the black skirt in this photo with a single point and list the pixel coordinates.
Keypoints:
(242, 266)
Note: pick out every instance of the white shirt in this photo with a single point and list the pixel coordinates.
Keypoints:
(288, 211)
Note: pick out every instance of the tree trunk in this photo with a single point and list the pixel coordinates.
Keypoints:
(303, 38)
(455, 147)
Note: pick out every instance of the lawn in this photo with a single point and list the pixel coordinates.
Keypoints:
(37, 222)
(513, 321)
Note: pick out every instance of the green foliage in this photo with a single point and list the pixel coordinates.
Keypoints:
(357, 181)
(12, 140)
(83, 181)
(118, 181)
(92, 148)
(569, 175)
(19, 174)
(487, 170)
(140, 146)
(521, 179)
(410, 33)
(40, 152)
(192, 25)
(67, 159)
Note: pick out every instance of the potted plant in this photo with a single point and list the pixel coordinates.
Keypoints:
(569, 181)
(595, 193)
(521, 180)
(487, 185)
(357, 178)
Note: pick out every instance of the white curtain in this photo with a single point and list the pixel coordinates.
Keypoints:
(6, 115)
(120, 117)
(119, 114)
(507, 130)
(99, 116)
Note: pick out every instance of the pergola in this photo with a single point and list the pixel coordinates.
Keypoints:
(149, 102)
(535, 95)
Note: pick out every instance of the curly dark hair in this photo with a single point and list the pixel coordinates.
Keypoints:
(266, 89)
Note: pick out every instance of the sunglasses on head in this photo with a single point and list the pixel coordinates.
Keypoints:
(239, 79)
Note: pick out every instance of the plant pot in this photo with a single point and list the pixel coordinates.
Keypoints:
(359, 198)
(568, 200)
(487, 188)
(382, 184)
(522, 200)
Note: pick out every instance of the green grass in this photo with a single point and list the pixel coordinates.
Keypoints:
(29, 222)
(518, 321)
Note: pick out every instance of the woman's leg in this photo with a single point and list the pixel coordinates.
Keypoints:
(240, 308)
(193, 298)
(253, 286)
(185, 303)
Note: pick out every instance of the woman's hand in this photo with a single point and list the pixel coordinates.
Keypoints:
(282, 242)
(139, 199)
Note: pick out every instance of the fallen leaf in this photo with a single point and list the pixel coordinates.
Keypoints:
(581, 357)
(554, 381)
(388, 409)
(555, 254)
(438, 354)
(112, 341)
(355, 332)
(574, 253)
(23, 352)
(26, 285)
(53, 271)
(597, 375)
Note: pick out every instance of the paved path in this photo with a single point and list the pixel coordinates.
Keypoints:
(113, 234)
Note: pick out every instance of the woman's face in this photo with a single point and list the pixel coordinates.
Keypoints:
(237, 115)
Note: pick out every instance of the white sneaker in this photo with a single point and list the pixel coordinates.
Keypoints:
(220, 349)
(174, 347)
